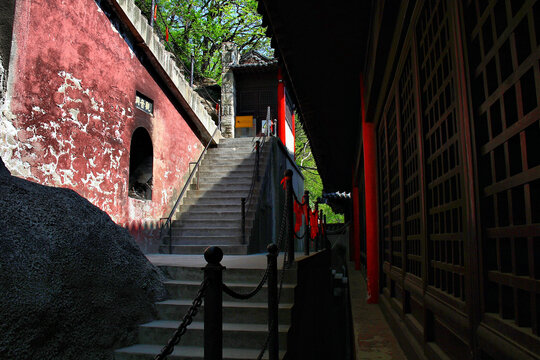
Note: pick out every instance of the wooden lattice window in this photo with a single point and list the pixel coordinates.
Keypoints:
(395, 194)
(411, 178)
(445, 199)
(505, 66)
(384, 191)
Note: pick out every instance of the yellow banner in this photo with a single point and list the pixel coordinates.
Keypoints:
(244, 121)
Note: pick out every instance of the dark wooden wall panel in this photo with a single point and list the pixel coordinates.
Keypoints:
(505, 53)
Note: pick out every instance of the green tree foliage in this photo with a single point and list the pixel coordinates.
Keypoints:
(313, 183)
(200, 27)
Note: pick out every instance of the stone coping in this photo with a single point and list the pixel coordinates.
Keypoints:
(163, 61)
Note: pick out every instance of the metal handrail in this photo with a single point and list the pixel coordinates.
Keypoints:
(246, 202)
(186, 186)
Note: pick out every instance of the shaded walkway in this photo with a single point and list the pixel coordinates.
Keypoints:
(373, 337)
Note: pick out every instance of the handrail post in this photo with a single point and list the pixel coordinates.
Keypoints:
(257, 149)
(316, 240)
(213, 304)
(327, 244)
(243, 220)
(290, 216)
(306, 225)
(320, 238)
(273, 340)
(170, 235)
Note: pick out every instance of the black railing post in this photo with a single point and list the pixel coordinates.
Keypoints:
(316, 240)
(307, 234)
(213, 305)
(170, 235)
(257, 149)
(327, 244)
(290, 217)
(273, 339)
(243, 220)
(320, 238)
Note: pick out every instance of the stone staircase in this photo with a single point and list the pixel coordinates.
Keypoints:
(211, 213)
(244, 321)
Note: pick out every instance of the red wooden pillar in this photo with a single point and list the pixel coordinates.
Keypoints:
(370, 176)
(355, 248)
(294, 134)
(281, 108)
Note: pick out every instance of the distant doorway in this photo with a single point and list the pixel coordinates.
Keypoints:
(141, 165)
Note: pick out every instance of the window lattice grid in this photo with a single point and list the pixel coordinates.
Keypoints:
(384, 201)
(505, 36)
(395, 190)
(443, 165)
(411, 179)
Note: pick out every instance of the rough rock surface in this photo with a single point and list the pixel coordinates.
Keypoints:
(73, 284)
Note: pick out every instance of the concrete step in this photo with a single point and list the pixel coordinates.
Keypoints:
(189, 230)
(244, 186)
(217, 208)
(233, 312)
(203, 216)
(225, 180)
(233, 173)
(232, 150)
(208, 223)
(219, 193)
(205, 239)
(230, 275)
(226, 167)
(239, 154)
(188, 290)
(211, 161)
(242, 140)
(206, 212)
(211, 201)
(199, 249)
(149, 351)
(243, 336)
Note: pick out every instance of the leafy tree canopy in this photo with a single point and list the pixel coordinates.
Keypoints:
(312, 182)
(200, 27)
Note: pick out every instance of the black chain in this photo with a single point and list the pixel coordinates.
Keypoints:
(227, 290)
(301, 203)
(186, 321)
(282, 276)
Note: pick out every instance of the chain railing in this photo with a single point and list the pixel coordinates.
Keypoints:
(186, 321)
(213, 287)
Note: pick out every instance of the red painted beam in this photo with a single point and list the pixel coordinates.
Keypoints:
(281, 108)
(370, 176)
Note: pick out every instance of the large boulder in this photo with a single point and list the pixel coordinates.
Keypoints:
(73, 284)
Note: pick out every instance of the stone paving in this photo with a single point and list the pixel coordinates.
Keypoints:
(373, 337)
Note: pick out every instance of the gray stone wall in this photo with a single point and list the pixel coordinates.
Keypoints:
(229, 57)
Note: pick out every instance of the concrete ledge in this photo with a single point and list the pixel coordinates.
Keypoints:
(163, 61)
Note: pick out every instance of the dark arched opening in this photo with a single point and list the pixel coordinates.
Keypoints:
(141, 164)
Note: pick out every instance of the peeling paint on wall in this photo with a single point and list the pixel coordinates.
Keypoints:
(71, 117)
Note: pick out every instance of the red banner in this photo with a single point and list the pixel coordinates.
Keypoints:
(284, 182)
(314, 223)
(298, 212)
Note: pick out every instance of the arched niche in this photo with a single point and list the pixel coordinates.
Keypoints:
(141, 165)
